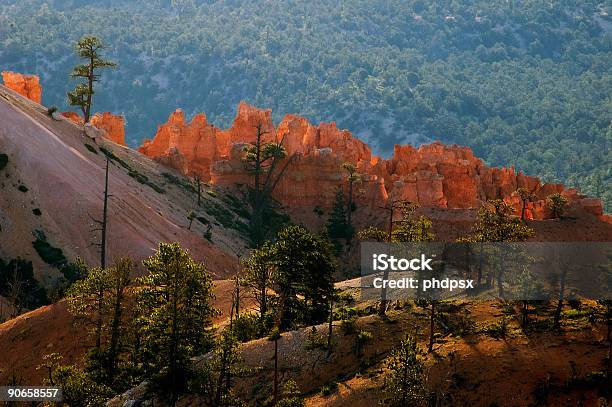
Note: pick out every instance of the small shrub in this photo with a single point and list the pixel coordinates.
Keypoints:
(143, 179)
(291, 395)
(181, 182)
(499, 329)
(507, 308)
(75, 271)
(3, 161)
(50, 255)
(575, 313)
(346, 297)
(208, 234)
(138, 176)
(318, 211)
(51, 110)
(329, 388)
(348, 326)
(343, 313)
(541, 392)
(111, 155)
(315, 340)
(91, 148)
(226, 218)
(247, 327)
(596, 377)
(457, 324)
(36, 212)
(22, 188)
(156, 188)
(361, 339)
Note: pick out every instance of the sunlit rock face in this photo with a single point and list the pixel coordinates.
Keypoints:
(25, 85)
(434, 175)
(113, 126)
(73, 117)
(189, 147)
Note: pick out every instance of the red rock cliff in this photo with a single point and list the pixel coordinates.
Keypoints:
(25, 85)
(434, 175)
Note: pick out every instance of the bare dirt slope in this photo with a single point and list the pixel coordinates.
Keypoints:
(527, 367)
(52, 328)
(52, 168)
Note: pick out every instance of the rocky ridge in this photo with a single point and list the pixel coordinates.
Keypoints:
(434, 175)
(30, 87)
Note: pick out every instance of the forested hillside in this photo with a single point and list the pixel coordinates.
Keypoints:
(524, 83)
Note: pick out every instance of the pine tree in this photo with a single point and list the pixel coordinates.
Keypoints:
(404, 383)
(372, 234)
(258, 278)
(78, 386)
(353, 177)
(409, 229)
(497, 223)
(303, 266)
(292, 397)
(557, 204)
(298, 268)
(529, 289)
(99, 300)
(175, 313)
(262, 159)
(103, 223)
(191, 215)
(213, 379)
(338, 226)
(88, 301)
(89, 49)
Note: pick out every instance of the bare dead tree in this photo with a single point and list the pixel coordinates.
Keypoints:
(390, 208)
(262, 160)
(16, 292)
(103, 223)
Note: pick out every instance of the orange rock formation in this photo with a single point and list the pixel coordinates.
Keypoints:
(113, 125)
(74, 117)
(25, 85)
(434, 175)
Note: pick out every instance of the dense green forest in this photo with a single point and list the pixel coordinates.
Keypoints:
(524, 83)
